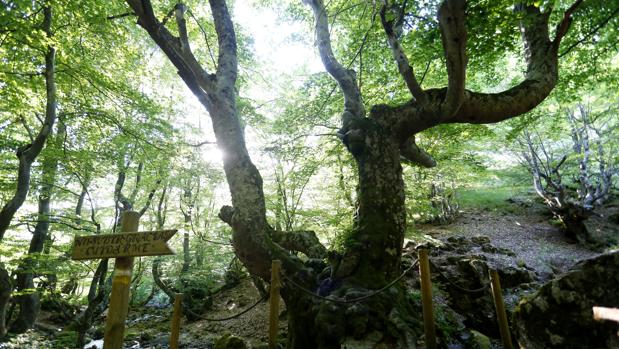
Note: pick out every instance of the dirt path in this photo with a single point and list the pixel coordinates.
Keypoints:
(528, 234)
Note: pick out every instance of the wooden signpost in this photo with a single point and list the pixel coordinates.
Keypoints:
(123, 247)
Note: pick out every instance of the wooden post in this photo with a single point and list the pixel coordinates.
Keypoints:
(426, 299)
(121, 285)
(603, 313)
(276, 266)
(501, 316)
(176, 320)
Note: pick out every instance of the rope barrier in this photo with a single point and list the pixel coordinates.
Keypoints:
(463, 289)
(349, 301)
(225, 318)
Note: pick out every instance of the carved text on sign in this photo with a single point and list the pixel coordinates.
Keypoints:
(148, 243)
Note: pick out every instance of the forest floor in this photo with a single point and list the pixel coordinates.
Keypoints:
(528, 233)
(520, 226)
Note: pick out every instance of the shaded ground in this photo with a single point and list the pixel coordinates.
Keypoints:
(526, 232)
(252, 325)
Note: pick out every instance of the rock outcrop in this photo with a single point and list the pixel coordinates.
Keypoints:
(559, 315)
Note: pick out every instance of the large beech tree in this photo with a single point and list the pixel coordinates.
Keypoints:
(379, 138)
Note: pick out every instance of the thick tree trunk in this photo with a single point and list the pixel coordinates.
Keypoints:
(371, 260)
(373, 249)
(380, 224)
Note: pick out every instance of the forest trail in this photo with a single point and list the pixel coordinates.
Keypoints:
(527, 232)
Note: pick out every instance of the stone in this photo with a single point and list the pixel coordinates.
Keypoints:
(559, 314)
(479, 340)
(229, 341)
(480, 240)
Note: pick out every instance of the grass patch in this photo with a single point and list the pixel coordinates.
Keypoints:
(493, 199)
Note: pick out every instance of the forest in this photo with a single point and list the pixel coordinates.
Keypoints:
(309, 174)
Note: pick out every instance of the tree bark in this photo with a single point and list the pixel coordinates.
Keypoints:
(373, 248)
(96, 296)
(28, 153)
(5, 295)
(29, 303)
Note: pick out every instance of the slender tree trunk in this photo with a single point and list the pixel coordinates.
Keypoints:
(80, 200)
(187, 226)
(186, 253)
(27, 154)
(29, 303)
(96, 296)
(158, 281)
(5, 296)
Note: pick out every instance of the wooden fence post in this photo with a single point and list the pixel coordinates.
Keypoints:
(121, 285)
(426, 299)
(176, 320)
(501, 316)
(276, 266)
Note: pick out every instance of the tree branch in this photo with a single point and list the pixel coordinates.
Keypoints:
(179, 13)
(122, 15)
(345, 78)
(183, 60)
(304, 241)
(451, 18)
(591, 33)
(404, 67)
(565, 23)
(410, 151)
(227, 61)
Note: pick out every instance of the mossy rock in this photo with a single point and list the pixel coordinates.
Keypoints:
(229, 341)
(559, 315)
(479, 341)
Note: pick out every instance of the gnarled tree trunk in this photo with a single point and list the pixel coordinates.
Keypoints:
(378, 143)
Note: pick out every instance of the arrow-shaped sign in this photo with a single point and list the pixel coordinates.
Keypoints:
(143, 243)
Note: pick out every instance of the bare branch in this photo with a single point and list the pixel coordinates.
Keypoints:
(206, 41)
(28, 130)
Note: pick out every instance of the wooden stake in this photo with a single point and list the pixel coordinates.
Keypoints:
(426, 299)
(176, 320)
(603, 313)
(501, 316)
(276, 266)
(121, 285)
